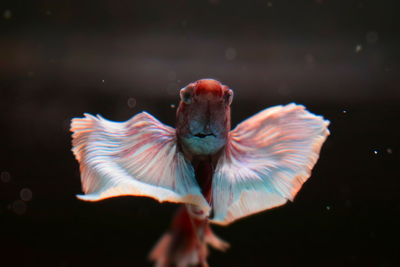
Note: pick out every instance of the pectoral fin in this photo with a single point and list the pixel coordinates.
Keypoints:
(138, 157)
(266, 161)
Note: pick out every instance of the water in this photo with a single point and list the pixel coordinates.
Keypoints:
(338, 58)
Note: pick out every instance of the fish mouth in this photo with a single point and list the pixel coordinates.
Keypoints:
(203, 135)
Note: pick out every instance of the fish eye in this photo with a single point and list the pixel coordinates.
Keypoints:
(228, 97)
(186, 96)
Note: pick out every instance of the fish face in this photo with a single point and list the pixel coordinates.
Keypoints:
(203, 116)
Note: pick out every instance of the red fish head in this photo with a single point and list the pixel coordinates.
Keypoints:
(203, 116)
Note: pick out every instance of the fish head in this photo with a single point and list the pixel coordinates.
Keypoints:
(203, 116)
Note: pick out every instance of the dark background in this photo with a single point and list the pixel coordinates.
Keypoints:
(59, 59)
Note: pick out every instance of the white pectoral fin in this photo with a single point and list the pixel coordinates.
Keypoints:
(266, 161)
(138, 157)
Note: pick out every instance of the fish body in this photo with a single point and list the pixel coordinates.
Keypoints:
(202, 127)
(219, 174)
(203, 117)
(203, 124)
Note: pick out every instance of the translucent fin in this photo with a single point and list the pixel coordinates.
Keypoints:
(138, 157)
(161, 251)
(184, 244)
(214, 241)
(266, 161)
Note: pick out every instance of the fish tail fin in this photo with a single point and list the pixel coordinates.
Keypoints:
(185, 244)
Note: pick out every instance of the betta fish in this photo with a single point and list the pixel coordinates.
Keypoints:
(218, 174)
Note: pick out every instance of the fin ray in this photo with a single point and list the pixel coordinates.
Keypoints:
(266, 161)
(138, 157)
